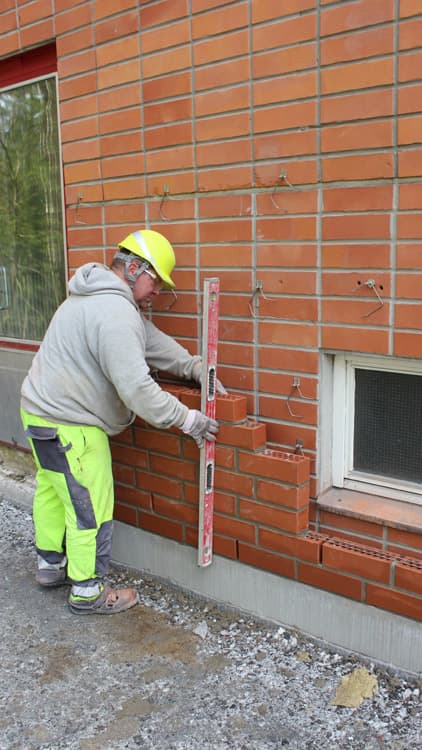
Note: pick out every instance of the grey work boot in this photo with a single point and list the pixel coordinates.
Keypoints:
(51, 577)
(109, 602)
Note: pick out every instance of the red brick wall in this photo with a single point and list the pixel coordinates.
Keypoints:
(278, 146)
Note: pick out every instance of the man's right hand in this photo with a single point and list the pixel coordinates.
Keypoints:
(199, 426)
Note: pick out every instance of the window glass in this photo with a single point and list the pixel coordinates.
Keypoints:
(32, 251)
(388, 424)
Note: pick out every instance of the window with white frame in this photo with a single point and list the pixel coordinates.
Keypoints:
(377, 426)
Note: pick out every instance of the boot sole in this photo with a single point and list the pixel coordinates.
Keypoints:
(102, 610)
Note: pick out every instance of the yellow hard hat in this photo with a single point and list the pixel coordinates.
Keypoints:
(154, 248)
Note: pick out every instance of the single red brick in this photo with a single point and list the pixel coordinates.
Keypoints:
(306, 548)
(357, 45)
(282, 566)
(9, 23)
(358, 75)
(335, 311)
(173, 467)
(224, 457)
(73, 18)
(220, 20)
(410, 163)
(231, 408)
(125, 514)
(394, 601)
(159, 441)
(10, 42)
(174, 510)
(357, 339)
(406, 538)
(410, 34)
(356, 256)
(168, 85)
(77, 40)
(315, 575)
(356, 227)
(222, 74)
(408, 8)
(131, 456)
(161, 526)
(357, 106)
(358, 559)
(191, 397)
(287, 334)
(158, 485)
(408, 575)
(105, 8)
(84, 172)
(282, 494)
(76, 63)
(309, 547)
(285, 467)
(214, 49)
(224, 503)
(408, 345)
(362, 13)
(225, 547)
(408, 67)
(269, 516)
(368, 167)
(133, 496)
(233, 482)
(124, 474)
(167, 12)
(336, 521)
(251, 435)
(233, 528)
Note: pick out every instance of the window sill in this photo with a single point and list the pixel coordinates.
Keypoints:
(381, 510)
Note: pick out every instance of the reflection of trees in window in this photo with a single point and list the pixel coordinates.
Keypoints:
(31, 220)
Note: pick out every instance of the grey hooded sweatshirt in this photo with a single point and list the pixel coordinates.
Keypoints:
(93, 366)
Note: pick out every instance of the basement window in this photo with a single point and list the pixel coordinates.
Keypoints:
(377, 427)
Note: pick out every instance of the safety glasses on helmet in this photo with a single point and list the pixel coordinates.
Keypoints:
(158, 284)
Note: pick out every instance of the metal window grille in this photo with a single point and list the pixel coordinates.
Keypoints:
(388, 424)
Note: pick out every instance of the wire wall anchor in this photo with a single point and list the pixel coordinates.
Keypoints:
(259, 289)
(173, 300)
(299, 447)
(166, 193)
(78, 205)
(296, 387)
(370, 283)
(282, 180)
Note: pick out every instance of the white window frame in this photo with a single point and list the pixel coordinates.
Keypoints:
(343, 473)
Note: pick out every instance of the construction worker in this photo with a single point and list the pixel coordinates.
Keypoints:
(90, 379)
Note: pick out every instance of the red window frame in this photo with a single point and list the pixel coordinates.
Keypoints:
(27, 65)
(16, 69)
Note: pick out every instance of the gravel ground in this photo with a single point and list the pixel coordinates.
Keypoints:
(177, 673)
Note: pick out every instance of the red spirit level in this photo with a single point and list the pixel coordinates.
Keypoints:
(207, 453)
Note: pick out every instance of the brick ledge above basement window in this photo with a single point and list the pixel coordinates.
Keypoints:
(381, 510)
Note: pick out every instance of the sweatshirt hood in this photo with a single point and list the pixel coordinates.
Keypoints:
(95, 278)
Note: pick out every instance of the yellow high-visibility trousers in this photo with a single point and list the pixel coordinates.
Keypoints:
(74, 498)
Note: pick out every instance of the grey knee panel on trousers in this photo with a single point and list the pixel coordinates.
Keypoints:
(51, 455)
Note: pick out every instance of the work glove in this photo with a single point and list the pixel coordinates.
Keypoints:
(200, 427)
(197, 375)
